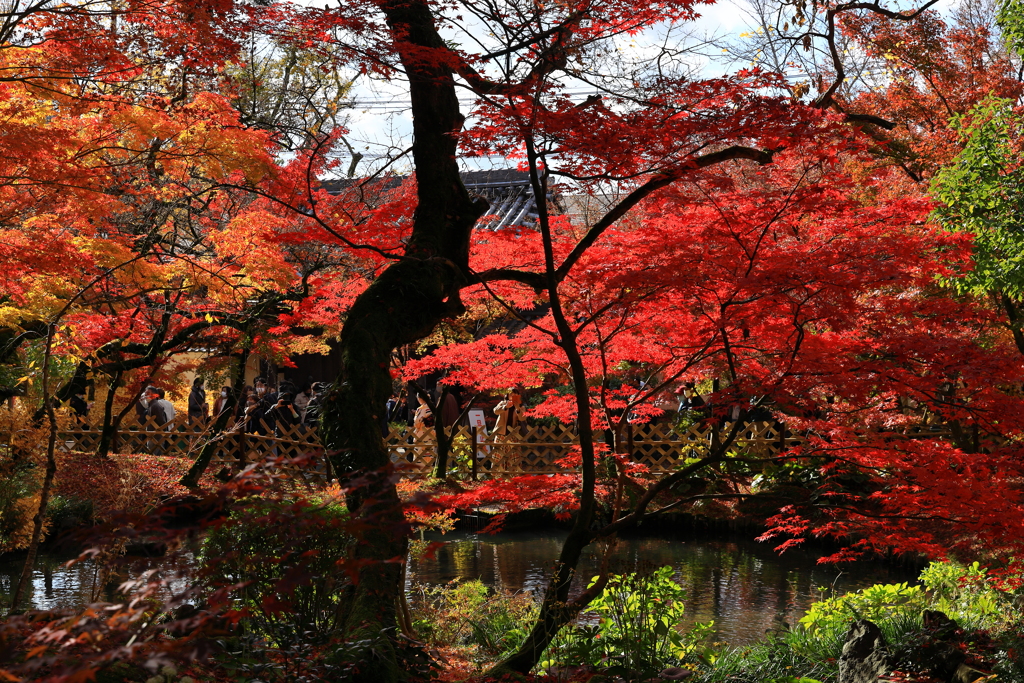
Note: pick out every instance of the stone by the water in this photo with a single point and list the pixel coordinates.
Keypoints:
(865, 655)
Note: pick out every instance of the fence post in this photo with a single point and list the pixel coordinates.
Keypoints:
(241, 449)
(472, 457)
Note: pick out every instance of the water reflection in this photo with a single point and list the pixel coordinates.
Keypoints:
(743, 586)
(54, 585)
(57, 586)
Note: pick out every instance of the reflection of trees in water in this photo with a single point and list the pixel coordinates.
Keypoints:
(57, 586)
(743, 586)
(508, 562)
(54, 585)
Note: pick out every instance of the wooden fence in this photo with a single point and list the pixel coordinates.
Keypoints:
(530, 450)
(538, 450)
(233, 449)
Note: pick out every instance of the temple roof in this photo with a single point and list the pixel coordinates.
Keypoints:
(508, 191)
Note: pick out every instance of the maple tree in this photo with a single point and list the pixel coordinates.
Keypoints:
(778, 282)
(129, 232)
(550, 136)
(933, 379)
(751, 238)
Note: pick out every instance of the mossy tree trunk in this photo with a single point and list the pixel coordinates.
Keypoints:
(221, 422)
(402, 305)
(108, 431)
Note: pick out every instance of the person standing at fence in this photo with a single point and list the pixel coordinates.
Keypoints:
(312, 416)
(267, 399)
(422, 428)
(79, 405)
(220, 403)
(690, 401)
(301, 401)
(506, 430)
(423, 418)
(198, 410)
(250, 415)
(154, 405)
(284, 415)
(158, 410)
(243, 401)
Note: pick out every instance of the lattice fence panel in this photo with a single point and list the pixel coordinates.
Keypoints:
(656, 445)
(527, 450)
(80, 439)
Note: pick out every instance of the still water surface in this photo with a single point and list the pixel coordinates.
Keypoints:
(56, 586)
(743, 586)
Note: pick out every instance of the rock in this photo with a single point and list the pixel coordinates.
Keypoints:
(965, 674)
(865, 656)
(944, 660)
(936, 621)
(675, 673)
(940, 653)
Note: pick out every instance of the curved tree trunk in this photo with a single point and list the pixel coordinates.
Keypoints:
(226, 416)
(108, 432)
(556, 610)
(401, 306)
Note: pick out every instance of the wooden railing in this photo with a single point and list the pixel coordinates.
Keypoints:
(233, 449)
(538, 450)
(529, 450)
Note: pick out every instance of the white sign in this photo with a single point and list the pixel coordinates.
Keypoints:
(476, 419)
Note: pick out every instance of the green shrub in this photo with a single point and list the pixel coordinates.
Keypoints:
(637, 633)
(876, 603)
(68, 512)
(281, 558)
(468, 613)
(461, 453)
(966, 594)
(813, 648)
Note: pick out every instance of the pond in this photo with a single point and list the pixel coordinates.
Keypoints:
(56, 586)
(744, 586)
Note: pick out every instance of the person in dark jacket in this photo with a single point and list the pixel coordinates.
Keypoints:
(198, 410)
(250, 415)
(267, 399)
(79, 405)
(220, 404)
(301, 400)
(312, 418)
(154, 405)
(284, 415)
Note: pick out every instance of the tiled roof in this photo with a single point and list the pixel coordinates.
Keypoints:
(508, 191)
(511, 196)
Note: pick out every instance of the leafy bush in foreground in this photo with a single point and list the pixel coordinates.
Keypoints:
(282, 558)
(989, 619)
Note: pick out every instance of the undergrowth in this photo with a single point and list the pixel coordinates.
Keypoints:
(633, 631)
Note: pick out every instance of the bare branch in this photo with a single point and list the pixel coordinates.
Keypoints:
(662, 180)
